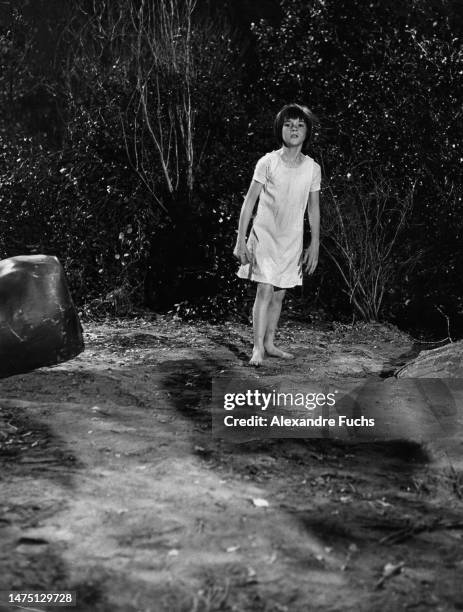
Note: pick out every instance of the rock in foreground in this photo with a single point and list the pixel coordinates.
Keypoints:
(443, 362)
(39, 325)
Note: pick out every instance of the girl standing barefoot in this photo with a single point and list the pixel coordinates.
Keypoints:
(287, 183)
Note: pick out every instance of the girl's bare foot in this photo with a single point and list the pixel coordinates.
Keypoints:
(273, 351)
(257, 357)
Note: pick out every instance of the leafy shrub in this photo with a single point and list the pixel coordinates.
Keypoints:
(76, 207)
(365, 222)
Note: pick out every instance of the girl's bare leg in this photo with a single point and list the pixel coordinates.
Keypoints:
(263, 299)
(273, 316)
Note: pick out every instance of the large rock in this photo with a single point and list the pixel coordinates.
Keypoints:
(39, 325)
(443, 362)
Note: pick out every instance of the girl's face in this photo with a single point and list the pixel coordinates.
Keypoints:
(294, 132)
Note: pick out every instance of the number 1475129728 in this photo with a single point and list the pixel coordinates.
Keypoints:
(31, 598)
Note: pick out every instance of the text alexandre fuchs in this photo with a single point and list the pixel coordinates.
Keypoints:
(309, 401)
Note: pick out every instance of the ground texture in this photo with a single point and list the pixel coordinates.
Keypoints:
(112, 484)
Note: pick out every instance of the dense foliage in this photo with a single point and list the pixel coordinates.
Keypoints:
(386, 81)
(129, 130)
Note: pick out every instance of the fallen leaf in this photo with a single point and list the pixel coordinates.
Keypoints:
(389, 570)
(258, 502)
(392, 568)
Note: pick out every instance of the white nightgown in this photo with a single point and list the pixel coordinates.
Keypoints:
(275, 241)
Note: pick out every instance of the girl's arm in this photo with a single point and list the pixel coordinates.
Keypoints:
(241, 251)
(313, 212)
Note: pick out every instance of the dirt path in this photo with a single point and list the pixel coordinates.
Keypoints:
(113, 486)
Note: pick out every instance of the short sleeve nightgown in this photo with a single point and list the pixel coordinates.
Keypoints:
(275, 241)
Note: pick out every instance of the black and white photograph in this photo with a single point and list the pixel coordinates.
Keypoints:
(231, 305)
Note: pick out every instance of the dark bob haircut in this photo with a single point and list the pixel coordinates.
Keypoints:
(295, 111)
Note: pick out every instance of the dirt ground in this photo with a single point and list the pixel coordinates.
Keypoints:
(113, 486)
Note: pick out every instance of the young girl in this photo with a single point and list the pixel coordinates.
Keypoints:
(286, 182)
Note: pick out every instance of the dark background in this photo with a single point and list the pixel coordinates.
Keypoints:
(128, 136)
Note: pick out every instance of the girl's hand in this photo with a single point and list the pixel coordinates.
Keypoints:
(311, 258)
(242, 253)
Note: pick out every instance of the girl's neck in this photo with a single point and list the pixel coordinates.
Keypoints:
(291, 153)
